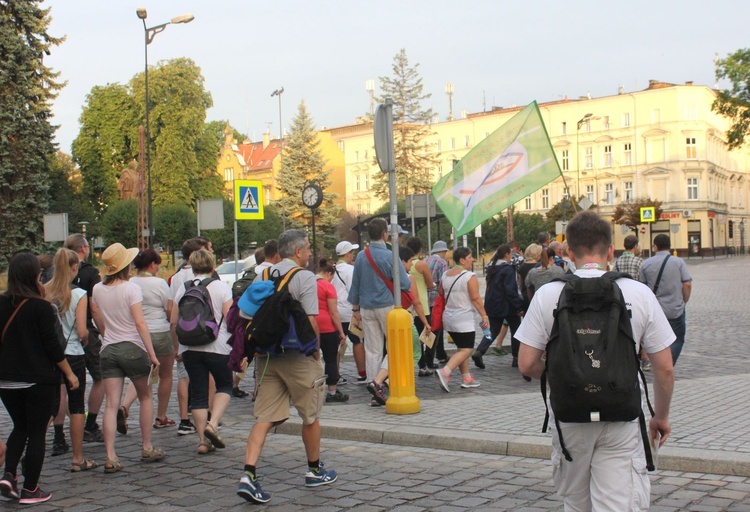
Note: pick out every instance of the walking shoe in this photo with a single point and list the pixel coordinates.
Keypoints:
(59, 446)
(35, 496)
(471, 382)
(374, 402)
(514, 364)
(477, 358)
(361, 380)
(238, 393)
(444, 380)
(93, 436)
(322, 476)
(377, 392)
(498, 352)
(9, 486)
(645, 365)
(186, 428)
(122, 420)
(342, 381)
(250, 490)
(526, 378)
(338, 396)
(426, 372)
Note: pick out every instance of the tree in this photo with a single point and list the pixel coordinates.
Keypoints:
(181, 151)
(303, 163)
(119, 223)
(65, 195)
(173, 224)
(556, 212)
(106, 143)
(26, 149)
(735, 103)
(413, 155)
(629, 214)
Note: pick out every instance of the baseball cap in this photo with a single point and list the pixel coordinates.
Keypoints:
(345, 248)
(401, 231)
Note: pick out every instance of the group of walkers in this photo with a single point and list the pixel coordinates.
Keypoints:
(129, 326)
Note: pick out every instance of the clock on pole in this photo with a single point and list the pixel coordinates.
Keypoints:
(312, 197)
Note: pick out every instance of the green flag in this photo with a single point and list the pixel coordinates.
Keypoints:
(514, 161)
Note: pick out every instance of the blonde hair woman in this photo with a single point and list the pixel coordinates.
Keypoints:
(71, 308)
(116, 305)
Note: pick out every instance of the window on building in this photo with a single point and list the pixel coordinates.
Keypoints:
(605, 123)
(626, 120)
(466, 141)
(528, 203)
(590, 192)
(229, 174)
(627, 154)
(563, 128)
(609, 190)
(341, 145)
(692, 184)
(691, 150)
(267, 195)
(452, 144)
(438, 146)
(588, 125)
(589, 158)
(628, 191)
(608, 156)
(366, 180)
(357, 183)
(565, 160)
(545, 198)
(366, 155)
(356, 156)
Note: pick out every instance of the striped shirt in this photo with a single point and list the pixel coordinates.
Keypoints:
(438, 266)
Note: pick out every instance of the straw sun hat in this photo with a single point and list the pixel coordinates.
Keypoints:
(116, 257)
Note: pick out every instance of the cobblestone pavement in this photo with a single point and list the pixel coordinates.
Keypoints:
(493, 431)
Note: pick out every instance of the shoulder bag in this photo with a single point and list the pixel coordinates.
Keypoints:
(406, 298)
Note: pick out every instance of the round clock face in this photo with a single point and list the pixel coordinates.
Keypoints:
(312, 196)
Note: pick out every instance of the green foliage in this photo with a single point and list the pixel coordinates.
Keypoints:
(302, 162)
(119, 223)
(248, 231)
(215, 130)
(525, 229)
(556, 212)
(106, 143)
(26, 149)
(413, 156)
(629, 214)
(735, 103)
(65, 194)
(173, 224)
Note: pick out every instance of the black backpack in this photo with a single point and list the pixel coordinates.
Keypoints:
(281, 323)
(241, 284)
(196, 323)
(592, 364)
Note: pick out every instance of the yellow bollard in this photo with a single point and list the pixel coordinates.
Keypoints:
(402, 399)
(674, 253)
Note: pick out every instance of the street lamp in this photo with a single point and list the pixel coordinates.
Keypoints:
(581, 122)
(279, 92)
(150, 33)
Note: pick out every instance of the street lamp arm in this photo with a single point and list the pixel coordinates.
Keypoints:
(152, 31)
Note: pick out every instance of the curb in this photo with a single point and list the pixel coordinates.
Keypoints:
(539, 447)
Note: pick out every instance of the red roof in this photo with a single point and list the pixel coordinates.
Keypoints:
(257, 158)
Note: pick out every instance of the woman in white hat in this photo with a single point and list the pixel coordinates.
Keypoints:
(116, 306)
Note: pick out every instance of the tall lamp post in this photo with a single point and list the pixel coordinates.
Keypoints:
(449, 91)
(581, 122)
(279, 92)
(149, 34)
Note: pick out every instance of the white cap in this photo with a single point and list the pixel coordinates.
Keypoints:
(345, 248)
(401, 231)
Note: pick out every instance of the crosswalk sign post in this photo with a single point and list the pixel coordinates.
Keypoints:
(248, 200)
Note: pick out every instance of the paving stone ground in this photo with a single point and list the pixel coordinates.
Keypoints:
(709, 418)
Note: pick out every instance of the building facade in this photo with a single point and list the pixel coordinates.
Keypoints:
(663, 142)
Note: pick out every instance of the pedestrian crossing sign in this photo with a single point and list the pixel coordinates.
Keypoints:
(248, 200)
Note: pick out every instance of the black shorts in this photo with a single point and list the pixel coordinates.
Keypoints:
(354, 339)
(77, 397)
(92, 349)
(463, 339)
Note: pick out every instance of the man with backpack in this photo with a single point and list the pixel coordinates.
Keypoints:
(290, 374)
(600, 452)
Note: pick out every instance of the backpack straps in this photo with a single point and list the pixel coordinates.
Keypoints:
(661, 271)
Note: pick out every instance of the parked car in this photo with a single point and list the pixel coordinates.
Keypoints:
(230, 271)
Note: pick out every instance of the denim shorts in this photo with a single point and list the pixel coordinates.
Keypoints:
(124, 359)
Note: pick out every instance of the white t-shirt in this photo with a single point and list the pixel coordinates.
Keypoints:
(114, 304)
(185, 274)
(156, 295)
(651, 329)
(342, 281)
(459, 312)
(220, 292)
(74, 347)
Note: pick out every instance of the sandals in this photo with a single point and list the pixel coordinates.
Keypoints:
(83, 466)
(122, 416)
(209, 447)
(152, 455)
(212, 436)
(113, 466)
(166, 422)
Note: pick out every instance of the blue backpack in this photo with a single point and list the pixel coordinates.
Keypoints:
(196, 323)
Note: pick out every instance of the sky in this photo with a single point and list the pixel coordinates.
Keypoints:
(494, 52)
